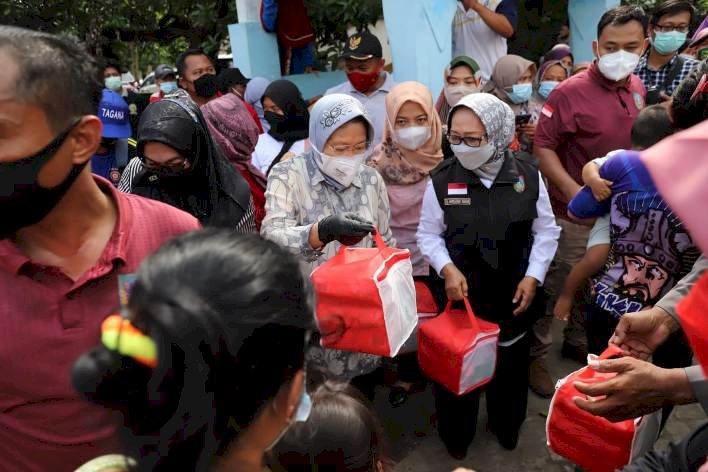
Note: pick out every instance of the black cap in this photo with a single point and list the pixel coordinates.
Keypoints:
(362, 46)
(163, 70)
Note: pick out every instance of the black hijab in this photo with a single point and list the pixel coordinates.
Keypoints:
(210, 189)
(295, 124)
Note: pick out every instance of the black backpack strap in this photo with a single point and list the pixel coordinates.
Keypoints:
(675, 70)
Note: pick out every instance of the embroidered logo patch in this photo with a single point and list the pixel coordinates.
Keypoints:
(354, 42)
(520, 185)
(457, 189)
(114, 176)
(638, 100)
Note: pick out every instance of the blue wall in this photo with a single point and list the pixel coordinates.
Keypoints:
(584, 15)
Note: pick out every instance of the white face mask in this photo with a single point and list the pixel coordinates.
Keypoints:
(618, 65)
(473, 158)
(454, 93)
(343, 169)
(413, 137)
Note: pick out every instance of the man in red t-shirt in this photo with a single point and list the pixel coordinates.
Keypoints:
(65, 237)
(584, 117)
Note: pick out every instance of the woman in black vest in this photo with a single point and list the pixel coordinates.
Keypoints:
(487, 228)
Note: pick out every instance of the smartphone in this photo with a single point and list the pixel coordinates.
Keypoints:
(653, 96)
(523, 119)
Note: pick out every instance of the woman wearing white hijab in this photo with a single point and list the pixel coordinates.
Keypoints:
(327, 197)
(487, 228)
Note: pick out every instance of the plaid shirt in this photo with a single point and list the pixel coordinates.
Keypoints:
(652, 78)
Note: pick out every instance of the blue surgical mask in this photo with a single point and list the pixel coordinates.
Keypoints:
(669, 42)
(168, 87)
(302, 414)
(113, 83)
(520, 93)
(545, 87)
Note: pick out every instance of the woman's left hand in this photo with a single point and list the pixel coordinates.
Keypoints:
(529, 130)
(524, 294)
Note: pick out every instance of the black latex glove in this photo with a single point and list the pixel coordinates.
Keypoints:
(347, 228)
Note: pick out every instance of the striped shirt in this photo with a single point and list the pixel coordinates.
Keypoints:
(246, 225)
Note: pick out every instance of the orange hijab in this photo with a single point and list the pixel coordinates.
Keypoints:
(395, 163)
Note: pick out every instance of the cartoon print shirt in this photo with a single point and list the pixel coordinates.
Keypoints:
(650, 248)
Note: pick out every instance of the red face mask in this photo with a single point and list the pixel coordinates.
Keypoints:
(363, 81)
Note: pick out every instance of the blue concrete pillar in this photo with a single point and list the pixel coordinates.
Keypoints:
(584, 15)
(255, 51)
(420, 34)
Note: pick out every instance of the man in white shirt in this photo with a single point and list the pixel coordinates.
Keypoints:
(368, 82)
(480, 29)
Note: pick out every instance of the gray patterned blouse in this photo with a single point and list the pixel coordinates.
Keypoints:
(296, 198)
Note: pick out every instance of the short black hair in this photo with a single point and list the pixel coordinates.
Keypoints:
(672, 7)
(182, 59)
(232, 334)
(48, 63)
(621, 16)
(107, 62)
(687, 112)
(651, 126)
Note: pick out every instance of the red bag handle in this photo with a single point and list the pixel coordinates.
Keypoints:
(608, 353)
(468, 307)
(378, 239)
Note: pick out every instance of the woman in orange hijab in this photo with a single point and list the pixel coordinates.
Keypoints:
(411, 148)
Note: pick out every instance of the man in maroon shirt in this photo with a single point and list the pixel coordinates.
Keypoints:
(65, 236)
(584, 117)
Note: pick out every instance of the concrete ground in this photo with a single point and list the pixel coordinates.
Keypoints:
(415, 447)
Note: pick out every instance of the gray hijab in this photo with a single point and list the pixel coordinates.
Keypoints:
(330, 113)
(498, 120)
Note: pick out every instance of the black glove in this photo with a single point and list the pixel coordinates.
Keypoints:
(347, 228)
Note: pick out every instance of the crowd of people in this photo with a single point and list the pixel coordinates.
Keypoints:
(527, 186)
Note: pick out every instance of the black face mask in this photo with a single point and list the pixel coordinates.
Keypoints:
(23, 202)
(277, 122)
(205, 86)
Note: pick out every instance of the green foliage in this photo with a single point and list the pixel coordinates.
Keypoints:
(331, 18)
(538, 28)
(140, 33)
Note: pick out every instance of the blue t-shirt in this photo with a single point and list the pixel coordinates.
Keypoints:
(106, 166)
(650, 248)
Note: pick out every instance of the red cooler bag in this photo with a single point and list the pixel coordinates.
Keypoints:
(366, 299)
(592, 442)
(458, 350)
(427, 310)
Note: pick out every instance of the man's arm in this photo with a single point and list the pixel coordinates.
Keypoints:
(670, 300)
(551, 167)
(499, 23)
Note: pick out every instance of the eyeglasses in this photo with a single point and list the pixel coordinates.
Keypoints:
(471, 141)
(357, 148)
(669, 28)
(171, 165)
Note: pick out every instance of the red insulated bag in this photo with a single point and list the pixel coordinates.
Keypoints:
(427, 310)
(592, 442)
(366, 299)
(458, 350)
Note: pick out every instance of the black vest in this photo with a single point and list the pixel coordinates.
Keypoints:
(489, 235)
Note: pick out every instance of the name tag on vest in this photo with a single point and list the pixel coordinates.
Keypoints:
(457, 201)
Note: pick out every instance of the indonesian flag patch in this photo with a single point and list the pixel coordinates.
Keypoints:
(457, 189)
(547, 110)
